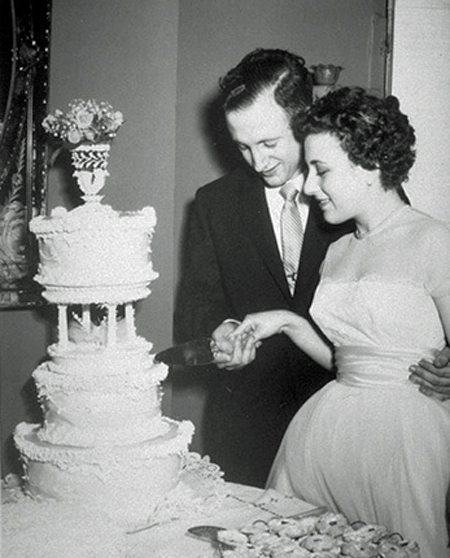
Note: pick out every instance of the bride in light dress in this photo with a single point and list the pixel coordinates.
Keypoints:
(369, 444)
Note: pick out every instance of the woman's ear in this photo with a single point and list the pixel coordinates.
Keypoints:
(370, 177)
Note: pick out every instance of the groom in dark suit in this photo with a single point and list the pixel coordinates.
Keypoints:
(234, 266)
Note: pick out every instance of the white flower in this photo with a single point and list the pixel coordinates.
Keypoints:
(74, 136)
(83, 118)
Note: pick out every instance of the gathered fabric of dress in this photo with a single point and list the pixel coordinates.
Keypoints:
(369, 444)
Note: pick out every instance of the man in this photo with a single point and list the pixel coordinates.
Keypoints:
(236, 264)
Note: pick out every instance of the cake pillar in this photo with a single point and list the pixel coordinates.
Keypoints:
(86, 318)
(129, 321)
(63, 336)
(112, 329)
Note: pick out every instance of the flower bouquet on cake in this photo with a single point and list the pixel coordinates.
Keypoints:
(86, 130)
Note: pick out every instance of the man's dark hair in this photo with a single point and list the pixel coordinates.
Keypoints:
(264, 69)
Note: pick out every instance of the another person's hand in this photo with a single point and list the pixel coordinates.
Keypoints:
(225, 346)
(232, 352)
(433, 377)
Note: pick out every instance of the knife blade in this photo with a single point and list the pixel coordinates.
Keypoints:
(192, 353)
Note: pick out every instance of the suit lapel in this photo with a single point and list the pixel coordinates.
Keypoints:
(256, 218)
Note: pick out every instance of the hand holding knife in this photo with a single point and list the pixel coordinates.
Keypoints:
(219, 349)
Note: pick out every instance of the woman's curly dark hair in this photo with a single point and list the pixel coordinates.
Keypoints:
(373, 131)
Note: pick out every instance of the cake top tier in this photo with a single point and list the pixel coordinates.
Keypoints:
(93, 216)
(94, 254)
(90, 216)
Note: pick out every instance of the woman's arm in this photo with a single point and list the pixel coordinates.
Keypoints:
(256, 327)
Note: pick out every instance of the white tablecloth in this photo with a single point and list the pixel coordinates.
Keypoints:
(49, 530)
(243, 505)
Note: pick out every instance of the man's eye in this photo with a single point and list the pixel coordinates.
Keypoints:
(270, 144)
(321, 172)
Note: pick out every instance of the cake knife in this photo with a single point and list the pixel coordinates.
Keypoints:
(197, 352)
(193, 353)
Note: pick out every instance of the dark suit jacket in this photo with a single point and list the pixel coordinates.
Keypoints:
(232, 268)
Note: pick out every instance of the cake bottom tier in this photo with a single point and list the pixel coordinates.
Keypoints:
(126, 482)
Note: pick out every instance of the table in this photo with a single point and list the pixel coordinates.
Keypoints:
(244, 505)
(49, 530)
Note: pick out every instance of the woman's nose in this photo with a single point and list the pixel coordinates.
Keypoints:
(310, 186)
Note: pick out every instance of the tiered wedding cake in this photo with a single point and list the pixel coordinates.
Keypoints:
(103, 439)
(105, 460)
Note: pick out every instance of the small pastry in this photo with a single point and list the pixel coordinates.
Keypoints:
(294, 552)
(366, 533)
(333, 524)
(319, 542)
(387, 549)
(359, 549)
(292, 528)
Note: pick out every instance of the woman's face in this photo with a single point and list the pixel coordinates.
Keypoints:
(338, 184)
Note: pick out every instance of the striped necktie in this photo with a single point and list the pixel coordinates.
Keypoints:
(291, 234)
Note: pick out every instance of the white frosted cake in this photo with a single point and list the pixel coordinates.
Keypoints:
(95, 254)
(103, 440)
(104, 461)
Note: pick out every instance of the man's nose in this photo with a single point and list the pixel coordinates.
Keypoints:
(259, 160)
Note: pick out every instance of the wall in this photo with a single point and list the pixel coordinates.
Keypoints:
(421, 80)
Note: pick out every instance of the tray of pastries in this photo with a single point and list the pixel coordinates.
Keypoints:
(323, 535)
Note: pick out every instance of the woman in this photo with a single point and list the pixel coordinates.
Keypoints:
(369, 444)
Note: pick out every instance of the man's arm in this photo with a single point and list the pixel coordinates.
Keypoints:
(433, 377)
(201, 303)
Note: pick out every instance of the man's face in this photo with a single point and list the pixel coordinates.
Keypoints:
(263, 135)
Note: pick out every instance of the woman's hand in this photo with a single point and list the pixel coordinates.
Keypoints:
(240, 345)
(257, 327)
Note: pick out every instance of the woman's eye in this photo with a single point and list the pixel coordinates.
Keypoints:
(321, 172)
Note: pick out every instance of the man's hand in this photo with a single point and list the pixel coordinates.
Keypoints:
(232, 353)
(433, 377)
